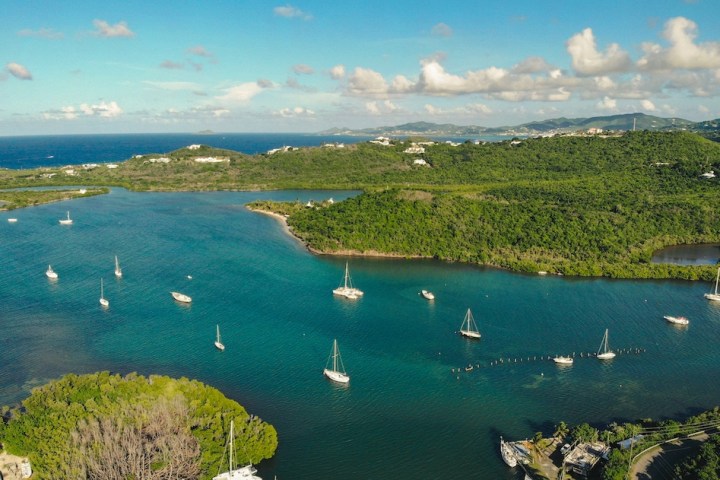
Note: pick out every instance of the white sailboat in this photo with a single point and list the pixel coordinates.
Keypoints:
(676, 320)
(337, 372)
(243, 473)
(427, 294)
(346, 289)
(118, 270)
(507, 453)
(469, 327)
(66, 221)
(218, 344)
(180, 297)
(51, 273)
(560, 360)
(714, 296)
(603, 352)
(103, 301)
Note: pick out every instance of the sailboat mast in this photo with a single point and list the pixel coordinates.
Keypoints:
(335, 356)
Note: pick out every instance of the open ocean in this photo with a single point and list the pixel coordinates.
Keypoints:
(405, 414)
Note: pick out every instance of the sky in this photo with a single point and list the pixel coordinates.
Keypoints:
(78, 67)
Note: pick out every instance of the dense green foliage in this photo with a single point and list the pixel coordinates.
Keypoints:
(57, 424)
(705, 465)
(578, 205)
(12, 199)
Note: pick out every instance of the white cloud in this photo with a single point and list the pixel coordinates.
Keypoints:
(337, 72)
(18, 71)
(289, 11)
(364, 81)
(442, 30)
(296, 112)
(48, 33)
(372, 108)
(608, 104)
(241, 93)
(104, 29)
(648, 106)
(102, 109)
(303, 69)
(170, 65)
(683, 52)
(380, 108)
(587, 60)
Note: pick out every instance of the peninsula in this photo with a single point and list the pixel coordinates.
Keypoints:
(592, 203)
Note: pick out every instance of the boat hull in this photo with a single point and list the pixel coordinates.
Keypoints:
(181, 297)
(507, 455)
(338, 377)
(428, 295)
(563, 360)
(104, 302)
(676, 320)
(606, 356)
(470, 334)
(219, 346)
(351, 293)
(714, 297)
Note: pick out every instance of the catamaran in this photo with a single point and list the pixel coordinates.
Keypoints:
(469, 327)
(714, 296)
(243, 473)
(337, 372)
(181, 297)
(604, 353)
(218, 344)
(118, 270)
(103, 301)
(66, 221)
(346, 289)
(51, 273)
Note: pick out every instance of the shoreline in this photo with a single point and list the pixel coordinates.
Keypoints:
(349, 253)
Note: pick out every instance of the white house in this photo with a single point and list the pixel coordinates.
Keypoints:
(193, 147)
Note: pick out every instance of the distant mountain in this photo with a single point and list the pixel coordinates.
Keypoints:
(639, 121)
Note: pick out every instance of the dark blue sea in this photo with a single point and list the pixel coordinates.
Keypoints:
(411, 411)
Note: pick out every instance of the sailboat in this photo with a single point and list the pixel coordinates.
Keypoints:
(243, 473)
(507, 453)
(714, 296)
(66, 221)
(469, 327)
(603, 352)
(103, 301)
(218, 343)
(337, 372)
(51, 273)
(346, 289)
(118, 270)
(181, 297)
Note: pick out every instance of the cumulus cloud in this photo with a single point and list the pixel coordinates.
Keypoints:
(102, 109)
(608, 104)
(104, 29)
(241, 93)
(588, 61)
(379, 108)
(532, 65)
(337, 72)
(296, 112)
(288, 11)
(365, 81)
(48, 33)
(648, 106)
(682, 52)
(303, 69)
(265, 83)
(18, 71)
(442, 30)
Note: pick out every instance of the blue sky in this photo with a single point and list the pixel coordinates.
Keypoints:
(305, 66)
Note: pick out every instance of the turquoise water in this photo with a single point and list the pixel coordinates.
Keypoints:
(405, 415)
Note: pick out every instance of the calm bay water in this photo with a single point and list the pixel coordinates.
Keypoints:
(405, 415)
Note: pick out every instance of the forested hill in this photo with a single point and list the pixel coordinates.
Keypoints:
(572, 205)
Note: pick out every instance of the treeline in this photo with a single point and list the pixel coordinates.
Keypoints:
(109, 426)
